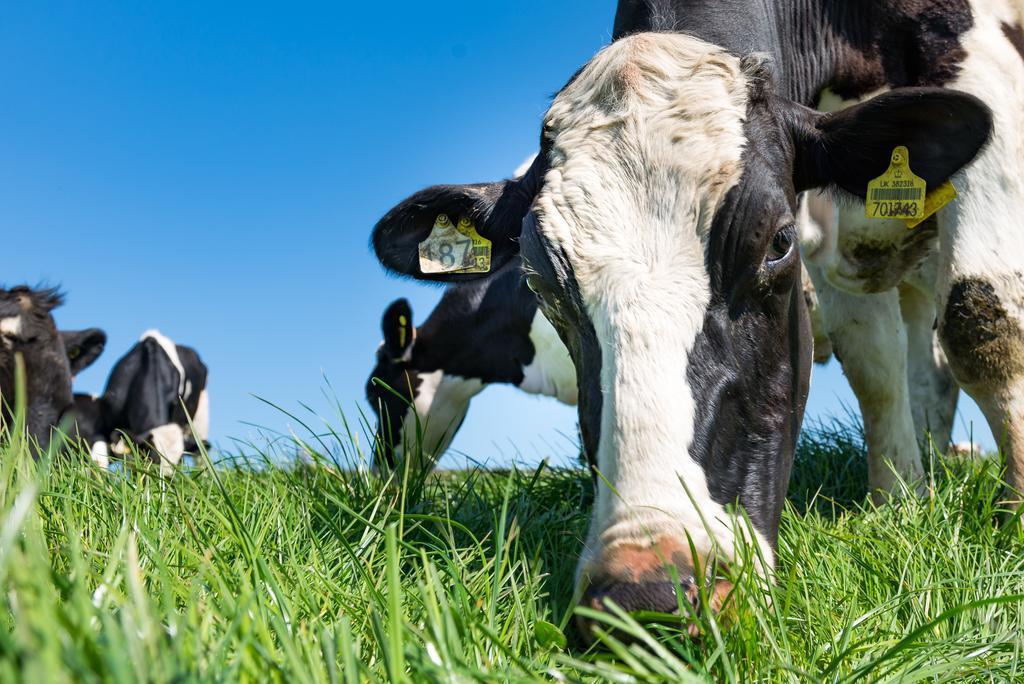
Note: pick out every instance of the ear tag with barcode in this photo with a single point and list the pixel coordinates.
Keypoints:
(897, 193)
(454, 248)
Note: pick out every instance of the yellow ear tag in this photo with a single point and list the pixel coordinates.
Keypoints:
(403, 323)
(451, 249)
(897, 193)
(481, 248)
(935, 200)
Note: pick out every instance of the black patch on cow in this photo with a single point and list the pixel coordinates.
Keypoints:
(851, 46)
(749, 369)
(1015, 34)
(896, 43)
(983, 343)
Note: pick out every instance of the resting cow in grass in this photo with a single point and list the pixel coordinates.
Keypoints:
(152, 393)
(657, 226)
(50, 358)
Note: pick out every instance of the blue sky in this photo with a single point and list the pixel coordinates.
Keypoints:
(213, 170)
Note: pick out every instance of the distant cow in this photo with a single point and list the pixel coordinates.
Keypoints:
(50, 359)
(143, 401)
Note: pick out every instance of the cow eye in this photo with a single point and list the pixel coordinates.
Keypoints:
(782, 244)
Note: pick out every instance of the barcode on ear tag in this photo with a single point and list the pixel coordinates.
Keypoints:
(897, 193)
(452, 248)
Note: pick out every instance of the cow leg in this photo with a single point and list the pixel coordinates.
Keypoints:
(933, 390)
(870, 340)
(169, 445)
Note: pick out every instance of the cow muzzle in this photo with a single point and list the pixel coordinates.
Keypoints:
(651, 582)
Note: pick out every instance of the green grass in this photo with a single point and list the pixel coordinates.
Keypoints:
(305, 572)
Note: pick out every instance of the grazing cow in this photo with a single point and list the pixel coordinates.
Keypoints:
(481, 333)
(50, 359)
(143, 401)
(657, 226)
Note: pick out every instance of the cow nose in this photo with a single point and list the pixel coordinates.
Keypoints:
(634, 597)
(646, 580)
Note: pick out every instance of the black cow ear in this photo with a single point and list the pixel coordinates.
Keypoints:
(943, 129)
(83, 347)
(399, 332)
(494, 210)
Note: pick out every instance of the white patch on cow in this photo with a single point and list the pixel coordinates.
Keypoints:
(440, 406)
(100, 454)
(10, 329)
(171, 350)
(647, 141)
(551, 373)
(201, 420)
(10, 326)
(524, 167)
(169, 443)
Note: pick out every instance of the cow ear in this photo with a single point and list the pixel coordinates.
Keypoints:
(399, 332)
(496, 211)
(83, 347)
(943, 130)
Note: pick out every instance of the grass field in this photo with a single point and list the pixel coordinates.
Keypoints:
(307, 573)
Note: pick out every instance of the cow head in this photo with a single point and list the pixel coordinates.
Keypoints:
(418, 406)
(658, 230)
(27, 330)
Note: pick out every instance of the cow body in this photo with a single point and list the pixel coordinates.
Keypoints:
(481, 333)
(658, 227)
(156, 397)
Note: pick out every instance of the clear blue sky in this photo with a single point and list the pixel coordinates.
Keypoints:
(213, 170)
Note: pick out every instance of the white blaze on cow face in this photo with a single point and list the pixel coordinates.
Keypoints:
(10, 328)
(645, 143)
(440, 406)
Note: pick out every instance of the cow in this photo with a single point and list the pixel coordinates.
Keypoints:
(481, 333)
(50, 358)
(155, 397)
(657, 228)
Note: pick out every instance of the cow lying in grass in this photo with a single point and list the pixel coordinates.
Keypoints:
(150, 396)
(657, 227)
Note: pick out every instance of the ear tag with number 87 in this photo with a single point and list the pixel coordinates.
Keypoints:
(897, 193)
(454, 249)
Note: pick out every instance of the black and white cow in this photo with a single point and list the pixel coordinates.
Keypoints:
(152, 393)
(484, 332)
(657, 226)
(481, 333)
(50, 359)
